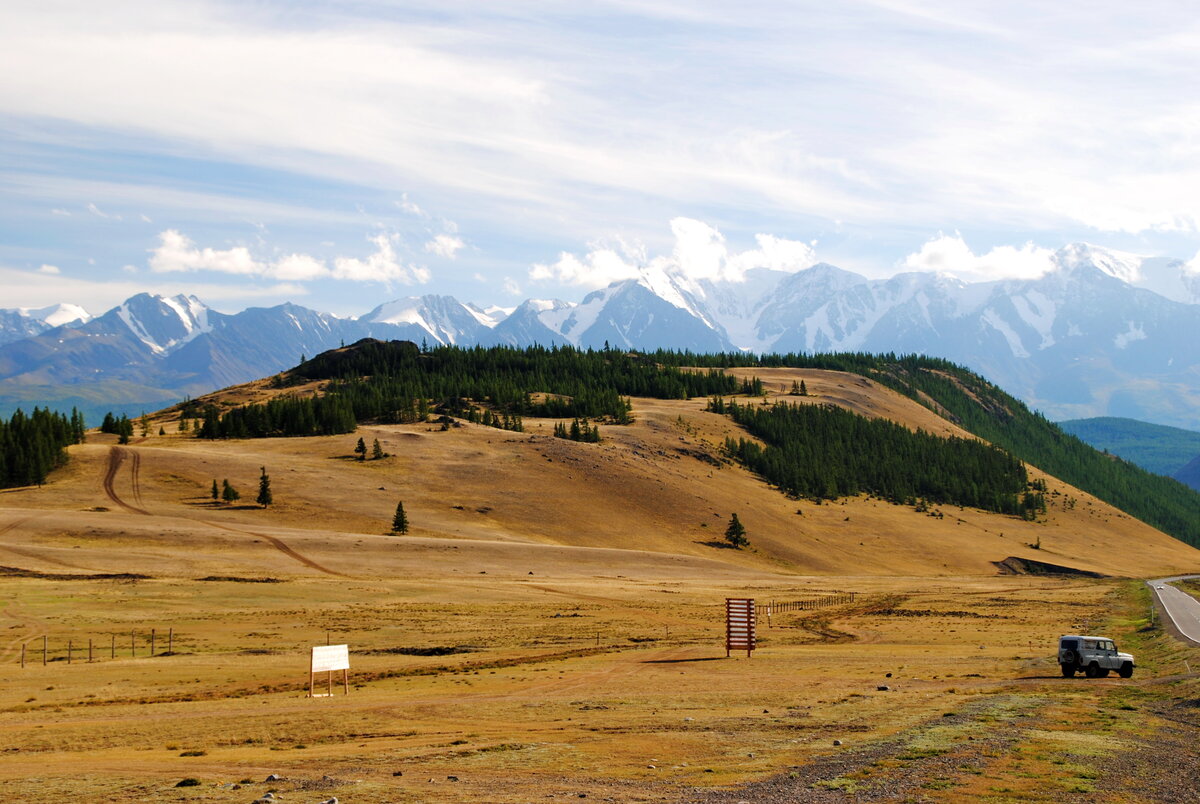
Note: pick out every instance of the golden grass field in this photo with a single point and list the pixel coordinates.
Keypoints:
(570, 596)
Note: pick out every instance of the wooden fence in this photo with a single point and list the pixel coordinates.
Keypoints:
(836, 599)
(39, 651)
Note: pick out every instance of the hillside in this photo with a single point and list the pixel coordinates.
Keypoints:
(658, 491)
(1154, 447)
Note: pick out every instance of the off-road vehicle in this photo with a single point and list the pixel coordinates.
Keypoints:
(1095, 656)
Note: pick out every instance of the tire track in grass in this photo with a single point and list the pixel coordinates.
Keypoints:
(280, 545)
(116, 456)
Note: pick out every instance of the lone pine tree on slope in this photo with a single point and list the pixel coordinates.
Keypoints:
(735, 534)
(264, 489)
(400, 520)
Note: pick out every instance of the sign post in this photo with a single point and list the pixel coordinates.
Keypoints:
(739, 625)
(326, 659)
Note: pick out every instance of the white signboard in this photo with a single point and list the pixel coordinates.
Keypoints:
(327, 658)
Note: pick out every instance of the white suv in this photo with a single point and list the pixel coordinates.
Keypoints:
(1096, 656)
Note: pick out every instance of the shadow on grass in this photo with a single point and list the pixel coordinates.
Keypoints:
(718, 545)
(679, 661)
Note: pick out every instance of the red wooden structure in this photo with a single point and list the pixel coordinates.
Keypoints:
(739, 624)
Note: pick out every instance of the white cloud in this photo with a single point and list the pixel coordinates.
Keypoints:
(300, 267)
(511, 287)
(95, 210)
(699, 253)
(410, 207)
(1192, 266)
(382, 266)
(38, 289)
(177, 253)
(951, 255)
(597, 269)
(445, 245)
(49, 269)
(62, 212)
(145, 218)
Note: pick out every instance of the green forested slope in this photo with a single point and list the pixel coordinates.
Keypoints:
(985, 410)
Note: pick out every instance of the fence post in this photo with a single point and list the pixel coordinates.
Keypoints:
(132, 644)
(89, 650)
(152, 635)
(68, 651)
(43, 650)
(114, 646)
(22, 655)
(171, 640)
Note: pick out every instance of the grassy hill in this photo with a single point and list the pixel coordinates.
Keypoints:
(662, 486)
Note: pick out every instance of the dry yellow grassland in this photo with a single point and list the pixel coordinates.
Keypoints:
(551, 625)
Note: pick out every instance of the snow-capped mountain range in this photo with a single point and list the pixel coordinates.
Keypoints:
(1082, 340)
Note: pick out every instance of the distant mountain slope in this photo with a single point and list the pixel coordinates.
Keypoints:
(1190, 474)
(1162, 450)
(1085, 339)
(23, 322)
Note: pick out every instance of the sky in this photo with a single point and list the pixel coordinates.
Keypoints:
(338, 155)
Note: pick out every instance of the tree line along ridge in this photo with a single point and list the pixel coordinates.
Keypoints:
(397, 382)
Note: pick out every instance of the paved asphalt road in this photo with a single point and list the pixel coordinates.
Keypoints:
(1182, 608)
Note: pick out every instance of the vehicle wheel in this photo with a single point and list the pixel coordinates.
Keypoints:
(1069, 658)
(1104, 672)
(1093, 670)
(1068, 670)
(1126, 670)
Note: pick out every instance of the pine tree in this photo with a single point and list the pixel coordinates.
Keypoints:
(795, 388)
(377, 452)
(161, 431)
(145, 421)
(735, 534)
(183, 424)
(264, 489)
(400, 520)
(229, 493)
(360, 449)
(109, 425)
(216, 494)
(803, 389)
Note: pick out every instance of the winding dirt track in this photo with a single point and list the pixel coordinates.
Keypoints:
(281, 546)
(116, 457)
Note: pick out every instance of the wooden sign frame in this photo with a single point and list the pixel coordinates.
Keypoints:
(740, 620)
(328, 659)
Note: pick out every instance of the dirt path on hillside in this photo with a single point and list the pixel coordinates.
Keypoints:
(116, 456)
(280, 545)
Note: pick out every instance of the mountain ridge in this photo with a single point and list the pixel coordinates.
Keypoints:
(1078, 341)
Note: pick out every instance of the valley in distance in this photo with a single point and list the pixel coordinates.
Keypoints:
(550, 625)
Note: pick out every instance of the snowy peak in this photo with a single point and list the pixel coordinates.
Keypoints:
(443, 318)
(164, 323)
(57, 315)
(1118, 264)
(25, 322)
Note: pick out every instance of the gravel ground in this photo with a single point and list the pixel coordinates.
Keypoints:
(927, 778)
(1165, 767)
